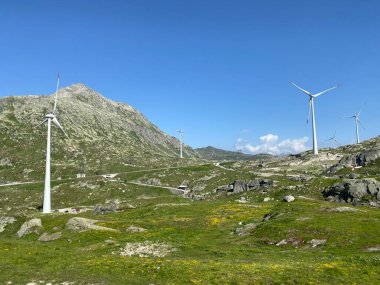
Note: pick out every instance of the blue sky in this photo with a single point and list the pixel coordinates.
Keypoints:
(219, 70)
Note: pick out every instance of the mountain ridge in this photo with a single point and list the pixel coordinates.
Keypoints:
(214, 153)
(100, 131)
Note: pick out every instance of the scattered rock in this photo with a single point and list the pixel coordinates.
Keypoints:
(341, 209)
(146, 249)
(85, 185)
(82, 224)
(289, 198)
(47, 237)
(239, 186)
(4, 221)
(111, 206)
(373, 249)
(242, 200)
(154, 181)
(31, 226)
(292, 241)
(245, 230)
(317, 242)
(5, 162)
(301, 178)
(226, 188)
(353, 176)
(110, 241)
(133, 229)
(267, 217)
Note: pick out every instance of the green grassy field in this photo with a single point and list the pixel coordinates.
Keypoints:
(207, 249)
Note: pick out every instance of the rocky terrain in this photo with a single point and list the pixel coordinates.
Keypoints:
(298, 219)
(103, 136)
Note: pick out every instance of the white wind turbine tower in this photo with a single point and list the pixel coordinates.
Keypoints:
(311, 109)
(51, 117)
(357, 122)
(180, 143)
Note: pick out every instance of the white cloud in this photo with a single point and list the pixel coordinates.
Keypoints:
(269, 139)
(270, 144)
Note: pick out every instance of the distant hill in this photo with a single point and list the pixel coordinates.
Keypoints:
(103, 136)
(213, 153)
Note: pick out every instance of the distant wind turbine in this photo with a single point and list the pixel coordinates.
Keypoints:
(311, 110)
(333, 139)
(357, 122)
(51, 117)
(180, 143)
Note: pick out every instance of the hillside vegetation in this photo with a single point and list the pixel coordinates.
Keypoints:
(299, 219)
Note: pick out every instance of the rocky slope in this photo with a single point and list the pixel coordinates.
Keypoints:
(103, 136)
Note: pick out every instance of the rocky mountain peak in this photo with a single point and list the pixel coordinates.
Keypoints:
(82, 92)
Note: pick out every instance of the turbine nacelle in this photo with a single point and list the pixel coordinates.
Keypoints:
(50, 116)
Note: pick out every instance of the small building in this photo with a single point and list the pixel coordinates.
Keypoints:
(81, 175)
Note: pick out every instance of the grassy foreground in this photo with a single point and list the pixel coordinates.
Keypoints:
(207, 249)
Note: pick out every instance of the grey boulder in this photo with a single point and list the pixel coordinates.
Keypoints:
(31, 226)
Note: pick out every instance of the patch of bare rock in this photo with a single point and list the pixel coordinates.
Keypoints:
(4, 221)
(133, 229)
(112, 206)
(82, 224)
(341, 209)
(296, 242)
(147, 249)
(373, 249)
(50, 237)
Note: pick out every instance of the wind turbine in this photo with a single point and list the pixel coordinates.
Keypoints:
(311, 110)
(357, 122)
(333, 139)
(51, 117)
(180, 143)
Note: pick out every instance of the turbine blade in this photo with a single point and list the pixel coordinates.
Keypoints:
(303, 90)
(361, 124)
(44, 121)
(360, 111)
(56, 95)
(55, 121)
(308, 116)
(320, 93)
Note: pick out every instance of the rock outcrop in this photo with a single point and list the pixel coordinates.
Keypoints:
(355, 191)
(361, 159)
